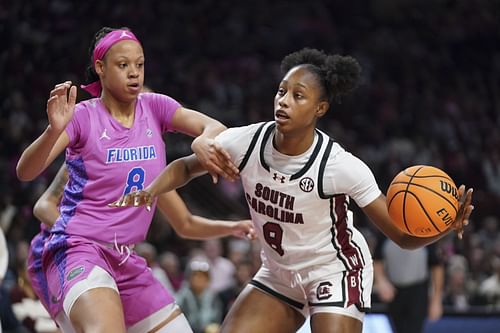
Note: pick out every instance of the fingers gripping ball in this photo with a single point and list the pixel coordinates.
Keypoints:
(422, 201)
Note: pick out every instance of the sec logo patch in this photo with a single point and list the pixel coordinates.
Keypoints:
(306, 184)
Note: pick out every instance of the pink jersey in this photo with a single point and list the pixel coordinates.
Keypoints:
(106, 160)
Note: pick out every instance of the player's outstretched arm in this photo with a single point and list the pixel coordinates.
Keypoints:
(170, 204)
(175, 175)
(46, 208)
(192, 226)
(379, 215)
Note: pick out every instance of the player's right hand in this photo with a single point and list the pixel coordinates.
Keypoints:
(244, 229)
(134, 199)
(61, 105)
(215, 159)
(465, 208)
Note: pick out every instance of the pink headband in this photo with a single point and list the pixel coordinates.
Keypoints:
(100, 50)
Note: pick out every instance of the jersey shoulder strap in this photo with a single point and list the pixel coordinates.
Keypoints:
(251, 147)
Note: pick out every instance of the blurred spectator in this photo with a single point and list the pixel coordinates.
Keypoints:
(491, 169)
(7, 213)
(4, 255)
(169, 262)
(8, 320)
(243, 275)
(489, 232)
(457, 294)
(200, 305)
(490, 288)
(221, 269)
(148, 252)
(27, 307)
(238, 250)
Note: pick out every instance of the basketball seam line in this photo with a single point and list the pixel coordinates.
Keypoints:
(430, 189)
(404, 199)
(425, 211)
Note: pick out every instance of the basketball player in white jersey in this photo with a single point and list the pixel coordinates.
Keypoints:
(298, 183)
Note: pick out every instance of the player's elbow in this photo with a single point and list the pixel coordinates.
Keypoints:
(185, 233)
(406, 242)
(39, 208)
(408, 246)
(180, 230)
(182, 227)
(191, 229)
(22, 174)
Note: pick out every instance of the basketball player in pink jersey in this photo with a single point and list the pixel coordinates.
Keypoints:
(298, 183)
(91, 279)
(172, 206)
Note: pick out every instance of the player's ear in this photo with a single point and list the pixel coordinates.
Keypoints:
(99, 67)
(322, 108)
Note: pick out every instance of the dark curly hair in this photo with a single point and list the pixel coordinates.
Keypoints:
(90, 73)
(338, 75)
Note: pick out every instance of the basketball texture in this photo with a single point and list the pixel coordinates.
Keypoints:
(422, 201)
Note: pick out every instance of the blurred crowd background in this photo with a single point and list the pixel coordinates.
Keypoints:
(429, 95)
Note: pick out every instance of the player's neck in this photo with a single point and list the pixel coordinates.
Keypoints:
(293, 145)
(123, 112)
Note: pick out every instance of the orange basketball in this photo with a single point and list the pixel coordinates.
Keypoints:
(422, 201)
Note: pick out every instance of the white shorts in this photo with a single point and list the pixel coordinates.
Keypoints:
(318, 289)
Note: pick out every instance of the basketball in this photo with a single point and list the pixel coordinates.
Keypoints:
(422, 201)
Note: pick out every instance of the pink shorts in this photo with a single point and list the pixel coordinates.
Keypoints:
(59, 262)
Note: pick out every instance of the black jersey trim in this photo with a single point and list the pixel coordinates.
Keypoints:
(306, 167)
(344, 287)
(285, 299)
(336, 304)
(322, 167)
(266, 136)
(251, 147)
(311, 159)
(340, 305)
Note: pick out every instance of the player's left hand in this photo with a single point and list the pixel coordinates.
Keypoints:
(244, 229)
(61, 105)
(215, 159)
(134, 199)
(465, 208)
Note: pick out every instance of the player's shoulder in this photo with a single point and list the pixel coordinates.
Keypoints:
(237, 140)
(155, 98)
(252, 128)
(341, 159)
(87, 105)
(239, 131)
(85, 109)
(148, 95)
(336, 152)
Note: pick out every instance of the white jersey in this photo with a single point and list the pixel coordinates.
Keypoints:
(299, 204)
